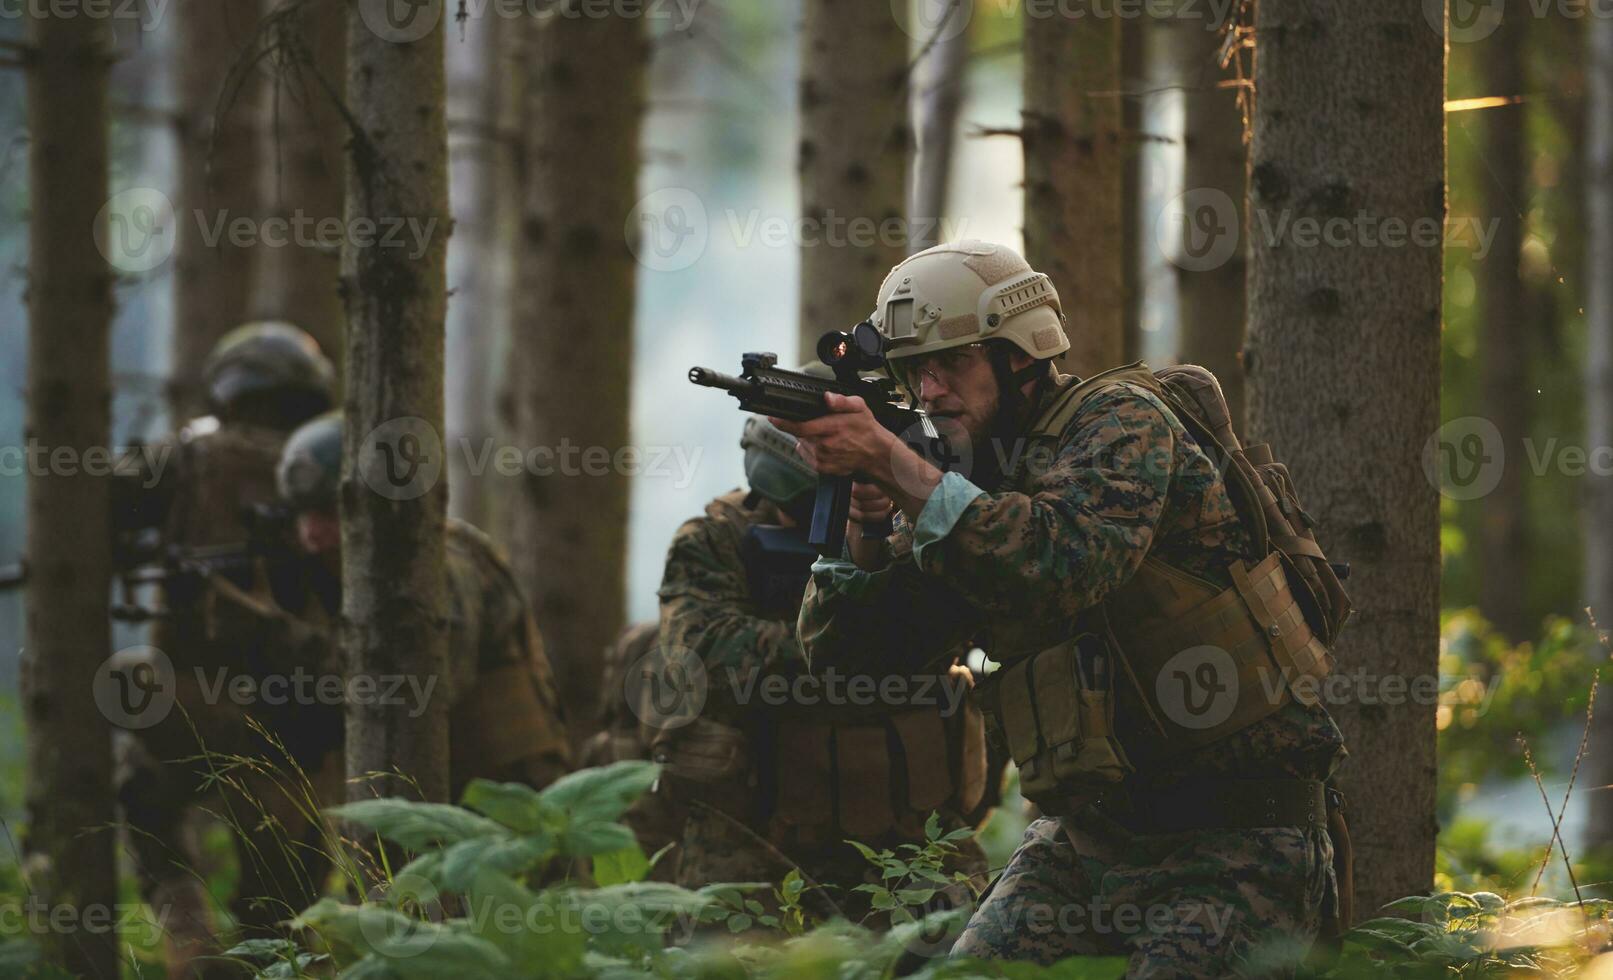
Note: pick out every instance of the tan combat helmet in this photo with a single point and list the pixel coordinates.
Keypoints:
(965, 292)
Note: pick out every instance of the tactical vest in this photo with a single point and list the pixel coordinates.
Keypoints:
(1170, 662)
(805, 776)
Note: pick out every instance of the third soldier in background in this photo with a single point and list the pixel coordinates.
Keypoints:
(262, 380)
(774, 769)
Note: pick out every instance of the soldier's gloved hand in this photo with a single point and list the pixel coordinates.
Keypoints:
(869, 505)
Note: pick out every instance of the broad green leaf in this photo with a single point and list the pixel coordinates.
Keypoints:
(416, 825)
(518, 807)
(621, 867)
(601, 794)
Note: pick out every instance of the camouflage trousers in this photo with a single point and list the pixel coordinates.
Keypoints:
(1213, 903)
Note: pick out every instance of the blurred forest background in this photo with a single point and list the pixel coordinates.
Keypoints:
(721, 129)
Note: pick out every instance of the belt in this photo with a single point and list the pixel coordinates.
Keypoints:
(1222, 804)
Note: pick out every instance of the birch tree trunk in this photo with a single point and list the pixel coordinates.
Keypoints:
(68, 852)
(1503, 348)
(1343, 368)
(937, 100)
(393, 500)
(482, 87)
(218, 159)
(852, 160)
(1073, 179)
(573, 340)
(1209, 288)
(1598, 517)
(301, 178)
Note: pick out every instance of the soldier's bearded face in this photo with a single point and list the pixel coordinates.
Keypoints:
(965, 393)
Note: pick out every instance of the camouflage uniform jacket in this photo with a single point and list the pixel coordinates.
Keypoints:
(1072, 520)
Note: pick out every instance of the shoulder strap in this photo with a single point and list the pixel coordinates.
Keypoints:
(1067, 404)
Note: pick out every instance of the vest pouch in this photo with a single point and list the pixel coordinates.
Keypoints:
(863, 768)
(702, 752)
(1055, 712)
(925, 759)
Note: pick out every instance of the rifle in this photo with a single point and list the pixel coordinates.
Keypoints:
(764, 388)
(185, 573)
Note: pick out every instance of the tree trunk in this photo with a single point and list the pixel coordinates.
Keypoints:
(1503, 348)
(218, 159)
(69, 859)
(1210, 256)
(1343, 368)
(394, 593)
(301, 178)
(1073, 179)
(573, 344)
(1598, 518)
(481, 96)
(852, 160)
(937, 100)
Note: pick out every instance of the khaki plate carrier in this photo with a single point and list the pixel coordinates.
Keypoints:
(1266, 634)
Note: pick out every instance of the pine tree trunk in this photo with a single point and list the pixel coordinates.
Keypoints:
(482, 90)
(1503, 349)
(393, 501)
(937, 101)
(218, 158)
(1073, 179)
(69, 857)
(852, 160)
(573, 341)
(1598, 516)
(1343, 369)
(301, 179)
(1210, 291)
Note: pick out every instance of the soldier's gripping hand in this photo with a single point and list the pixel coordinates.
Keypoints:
(298, 641)
(849, 441)
(869, 505)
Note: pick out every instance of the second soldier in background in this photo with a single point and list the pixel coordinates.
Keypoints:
(772, 773)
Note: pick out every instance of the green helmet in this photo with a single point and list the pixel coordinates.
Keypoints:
(311, 464)
(772, 466)
(965, 292)
(269, 357)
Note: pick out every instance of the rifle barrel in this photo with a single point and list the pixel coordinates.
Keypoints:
(708, 378)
